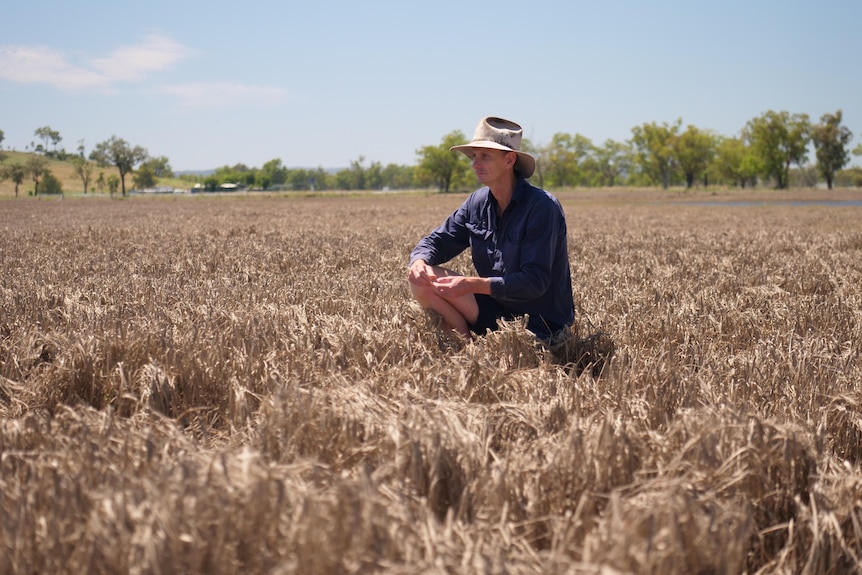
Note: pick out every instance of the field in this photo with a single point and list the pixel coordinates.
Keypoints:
(241, 385)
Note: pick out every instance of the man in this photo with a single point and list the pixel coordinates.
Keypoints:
(517, 238)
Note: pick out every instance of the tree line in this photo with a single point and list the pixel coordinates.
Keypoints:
(764, 153)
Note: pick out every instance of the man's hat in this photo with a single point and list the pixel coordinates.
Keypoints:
(500, 134)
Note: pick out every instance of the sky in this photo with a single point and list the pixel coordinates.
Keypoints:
(325, 83)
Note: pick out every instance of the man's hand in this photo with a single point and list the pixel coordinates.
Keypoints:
(451, 287)
(421, 274)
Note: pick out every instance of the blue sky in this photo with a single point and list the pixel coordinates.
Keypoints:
(322, 83)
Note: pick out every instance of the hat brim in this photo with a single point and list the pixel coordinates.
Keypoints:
(525, 163)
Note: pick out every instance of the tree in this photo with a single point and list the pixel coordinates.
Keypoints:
(440, 166)
(262, 180)
(830, 143)
(779, 140)
(563, 157)
(46, 134)
(144, 178)
(694, 150)
(160, 167)
(275, 171)
(2, 135)
(355, 177)
(396, 177)
(654, 147)
(113, 184)
(15, 172)
(117, 152)
(84, 169)
(37, 167)
(50, 184)
(100, 183)
(528, 147)
(735, 161)
(612, 159)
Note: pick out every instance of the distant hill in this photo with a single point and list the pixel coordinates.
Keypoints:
(65, 172)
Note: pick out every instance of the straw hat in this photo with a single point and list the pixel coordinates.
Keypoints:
(500, 134)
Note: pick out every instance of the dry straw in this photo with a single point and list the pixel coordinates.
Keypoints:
(214, 385)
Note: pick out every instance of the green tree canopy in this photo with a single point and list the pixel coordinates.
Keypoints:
(275, 171)
(441, 167)
(15, 172)
(779, 139)
(397, 177)
(360, 177)
(37, 168)
(563, 160)
(47, 135)
(50, 184)
(694, 150)
(160, 167)
(84, 169)
(612, 160)
(144, 178)
(735, 161)
(654, 148)
(113, 183)
(117, 152)
(830, 143)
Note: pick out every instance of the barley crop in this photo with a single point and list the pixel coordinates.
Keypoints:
(242, 385)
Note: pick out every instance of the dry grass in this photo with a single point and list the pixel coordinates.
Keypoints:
(214, 385)
(63, 171)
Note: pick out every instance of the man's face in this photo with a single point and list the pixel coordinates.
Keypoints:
(491, 165)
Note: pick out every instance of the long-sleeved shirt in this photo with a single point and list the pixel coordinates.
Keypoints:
(524, 252)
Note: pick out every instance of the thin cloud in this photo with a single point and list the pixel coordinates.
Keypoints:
(225, 94)
(29, 65)
(133, 63)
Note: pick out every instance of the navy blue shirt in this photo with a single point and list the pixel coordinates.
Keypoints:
(524, 253)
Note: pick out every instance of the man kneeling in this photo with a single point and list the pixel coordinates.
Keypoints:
(516, 233)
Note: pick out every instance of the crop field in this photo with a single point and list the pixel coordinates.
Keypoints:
(241, 384)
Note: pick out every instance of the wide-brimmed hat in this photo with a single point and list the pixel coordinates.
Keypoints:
(500, 134)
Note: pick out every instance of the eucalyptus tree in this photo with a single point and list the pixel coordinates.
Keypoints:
(830, 143)
(735, 161)
(47, 135)
(117, 152)
(17, 173)
(444, 169)
(779, 139)
(84, 169)
(564, 160)
(612, 160)
(37, 168)
(655, 150)
(694, 150)
(160, 167)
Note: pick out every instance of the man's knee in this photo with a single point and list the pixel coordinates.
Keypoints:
(421, 293)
